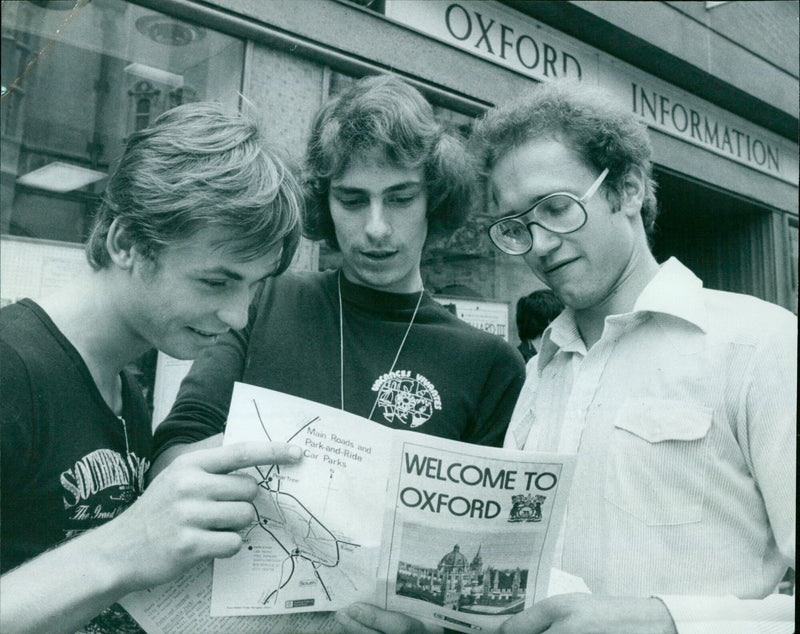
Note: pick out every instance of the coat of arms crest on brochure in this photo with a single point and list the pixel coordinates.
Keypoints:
(526, 508)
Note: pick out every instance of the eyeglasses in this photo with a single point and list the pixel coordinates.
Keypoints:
(560, 212)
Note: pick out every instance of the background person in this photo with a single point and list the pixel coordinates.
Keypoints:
(679, 400)
(381, 175)
(535, 311)
(196, 215)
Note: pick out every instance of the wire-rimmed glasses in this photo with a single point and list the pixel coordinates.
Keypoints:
(559, 212)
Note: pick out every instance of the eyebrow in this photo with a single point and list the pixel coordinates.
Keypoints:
(530, 202)
(233, 275)
(221, 270)
(342, 189)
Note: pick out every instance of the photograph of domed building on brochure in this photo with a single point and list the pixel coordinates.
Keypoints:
(466, 572)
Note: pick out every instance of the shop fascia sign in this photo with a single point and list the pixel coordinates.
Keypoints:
(680, 114)
(490, 30)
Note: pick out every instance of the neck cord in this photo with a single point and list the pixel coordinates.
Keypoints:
(125, 431)
(341, 344)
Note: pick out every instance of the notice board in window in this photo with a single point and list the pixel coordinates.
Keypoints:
(34, 268)
(487, 315)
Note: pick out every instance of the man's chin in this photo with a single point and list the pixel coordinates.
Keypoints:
(186, 350)
(385, 281)
(181, 353)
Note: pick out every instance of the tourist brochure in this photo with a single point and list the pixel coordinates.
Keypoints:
(457, 535)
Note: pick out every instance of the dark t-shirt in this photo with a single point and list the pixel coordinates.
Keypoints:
(450, 380)
(69, 463)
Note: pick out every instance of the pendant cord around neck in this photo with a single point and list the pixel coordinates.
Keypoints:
(341, 344)
(125, 431)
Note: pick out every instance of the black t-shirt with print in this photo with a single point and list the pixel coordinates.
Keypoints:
(450, 380)
(68, 463)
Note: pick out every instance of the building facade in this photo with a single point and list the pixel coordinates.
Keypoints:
(466, 586)
(716, 83)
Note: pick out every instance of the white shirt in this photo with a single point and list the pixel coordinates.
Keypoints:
(684, 417)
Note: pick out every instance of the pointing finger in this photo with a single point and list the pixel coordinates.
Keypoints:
(242, 455)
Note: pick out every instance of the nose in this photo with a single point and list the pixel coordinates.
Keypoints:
(377, 227)
(235, 311)
(544, 241)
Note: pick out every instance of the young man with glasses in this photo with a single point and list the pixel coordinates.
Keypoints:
(680, 400)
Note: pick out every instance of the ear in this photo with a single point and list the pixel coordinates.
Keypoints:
(633, 187)
(120, 246)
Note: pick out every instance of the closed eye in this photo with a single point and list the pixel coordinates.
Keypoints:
(513, 229)
(351, 203)
(555, 206)
(402, 199)
(214, 283)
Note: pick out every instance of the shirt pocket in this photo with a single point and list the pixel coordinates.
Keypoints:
(657, 460)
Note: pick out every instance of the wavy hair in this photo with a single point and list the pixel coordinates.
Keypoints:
(386, 113)
(586, 121)
(200, 166)
(535, 312)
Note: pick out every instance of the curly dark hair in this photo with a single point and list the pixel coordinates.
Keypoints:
(386, 113)
(587, 121)
(535, 312)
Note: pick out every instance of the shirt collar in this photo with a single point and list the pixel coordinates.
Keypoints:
(674, 290)
(561, 334)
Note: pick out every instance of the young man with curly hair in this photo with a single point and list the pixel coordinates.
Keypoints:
(680, 401)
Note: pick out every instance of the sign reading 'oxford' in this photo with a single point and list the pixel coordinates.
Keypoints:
(489, 30)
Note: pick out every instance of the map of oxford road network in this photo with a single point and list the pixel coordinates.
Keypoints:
(303, 552)
(452, 533)
(300, 535)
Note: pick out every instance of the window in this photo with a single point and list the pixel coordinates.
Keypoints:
(77, 79)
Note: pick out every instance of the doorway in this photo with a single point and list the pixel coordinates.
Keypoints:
(726, 240)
